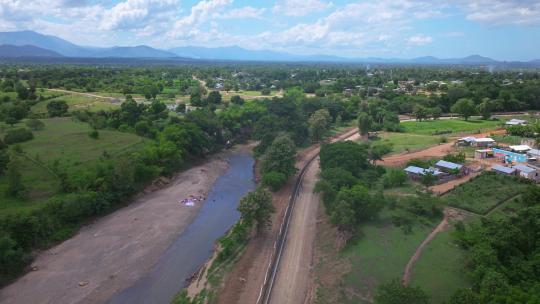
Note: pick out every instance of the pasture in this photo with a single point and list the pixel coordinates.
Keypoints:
(485, 192)
(67, 143)
(449, 126)
(407, 142)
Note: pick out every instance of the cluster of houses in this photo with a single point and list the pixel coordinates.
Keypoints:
(519, 160)
(442, 170)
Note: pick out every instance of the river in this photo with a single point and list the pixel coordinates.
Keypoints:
(195, 245)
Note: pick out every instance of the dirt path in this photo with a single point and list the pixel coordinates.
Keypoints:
(408, 269)
(243, 283)
(293, 278)
(112, 253)
(445, 187)
(108, 98)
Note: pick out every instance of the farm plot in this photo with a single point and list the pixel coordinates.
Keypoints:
(485, 192)
(449, 126)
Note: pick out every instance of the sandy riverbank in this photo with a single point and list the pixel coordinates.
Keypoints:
(112, 253)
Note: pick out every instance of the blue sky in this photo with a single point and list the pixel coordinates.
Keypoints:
(501, 29)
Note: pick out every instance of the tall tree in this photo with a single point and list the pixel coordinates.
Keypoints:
(280, 156)
(464, 107)
(364, 123)
(256, 207)
(394, 292)
(319, 123)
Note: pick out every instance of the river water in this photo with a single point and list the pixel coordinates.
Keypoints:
(195, 245)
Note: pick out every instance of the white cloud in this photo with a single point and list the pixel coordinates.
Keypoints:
(297, 8)
(132, 14)
(201, 12)
(241, 13)
(420, 40)
(500, 12)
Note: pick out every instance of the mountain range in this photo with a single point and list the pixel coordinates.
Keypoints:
(33, 44)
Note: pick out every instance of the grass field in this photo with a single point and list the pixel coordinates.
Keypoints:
(452, 126)
(483, 193)
(379, 255)
(67, 142)
(77, 102)
(440, 269)
(403, 141)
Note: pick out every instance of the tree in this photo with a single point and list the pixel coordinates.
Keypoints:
(280, 156)
(35, 124)
(274, 180)
(485, 108)
(10, 120)
(464, 107)
(420, 112)
(237, 100)
(57, 108)
(364, 123)
(15, 187)
(348, 155)
(376, 152)
(22, 91)
(214, 97)
(319, 123)
(428, 179)
(394, 292)
(256, 207)
(435, 112)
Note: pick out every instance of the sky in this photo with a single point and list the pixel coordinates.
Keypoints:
(500, 29)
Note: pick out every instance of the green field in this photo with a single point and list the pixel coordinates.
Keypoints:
(77, 102)
(484, 192)
(440, 269)
(67, 142)
(407, 142)
(379, 255)
(452, 126)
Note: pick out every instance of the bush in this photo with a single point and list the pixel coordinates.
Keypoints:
(94, 134)
(35, 124)
(18, 135)
(394, 178)
(274, 180)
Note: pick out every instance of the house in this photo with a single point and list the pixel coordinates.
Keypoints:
(483, 142)
(465, 141)
(417, 172)
(516, 122)
(520, 148)
(448, 167)
(483, 153)
(527, 172)
(503, 170)
(533, 155)
(510, 156)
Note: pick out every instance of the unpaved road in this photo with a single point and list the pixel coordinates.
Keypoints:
(293, 278)
(112, 253)
(109, 98)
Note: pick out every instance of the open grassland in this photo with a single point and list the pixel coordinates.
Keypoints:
(449, 126)
(407, 142)
(485, 192)
(379, 255)
(77, 102)
(440, 269)
(66, 142)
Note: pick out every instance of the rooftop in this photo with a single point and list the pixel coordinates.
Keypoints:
(449, 165)
(524, 168)
(503, 169)
(522, 148)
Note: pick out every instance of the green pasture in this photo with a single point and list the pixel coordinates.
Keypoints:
(449, 126)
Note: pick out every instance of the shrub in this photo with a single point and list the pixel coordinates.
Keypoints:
(35, 124)
(18, 135)
(94, 134)
(274, 180)
(394, 178)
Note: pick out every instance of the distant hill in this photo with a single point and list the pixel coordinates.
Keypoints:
(233, 53)
(52, 43)
(141, 51)
(14, 51)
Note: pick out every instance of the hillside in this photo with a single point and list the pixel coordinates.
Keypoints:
(11, 51)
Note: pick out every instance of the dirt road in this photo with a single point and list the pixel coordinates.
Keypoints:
(112, 253)
(293, 278)
(108, 98)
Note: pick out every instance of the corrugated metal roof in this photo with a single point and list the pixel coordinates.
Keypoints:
(503, 169)
(415, 170)
(448, 165)
(485, 139)
(534, 152)
(524, 168)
